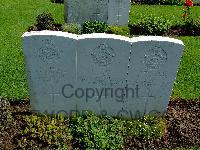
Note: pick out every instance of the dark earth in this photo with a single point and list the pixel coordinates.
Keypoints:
(183, 127)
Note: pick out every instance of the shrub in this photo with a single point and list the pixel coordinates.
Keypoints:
(149, 127)
(150, 26)
(94, 27)
(86, 131)
(92, 132)
(191, 28)
(50, 132)
(57, 1)
(159, 2)
(119, 30)
(45, 21)
(72, 28)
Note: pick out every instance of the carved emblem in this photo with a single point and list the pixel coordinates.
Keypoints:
(49, 53)
(155, 57)
(103, 55)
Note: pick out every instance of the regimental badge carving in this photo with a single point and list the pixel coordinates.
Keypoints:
(49, 53)
(155, 57)
(103, 55)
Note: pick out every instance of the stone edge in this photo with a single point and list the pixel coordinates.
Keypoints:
(103, 35)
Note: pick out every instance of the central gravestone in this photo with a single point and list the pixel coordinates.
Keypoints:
(106, 74)
(115, 12)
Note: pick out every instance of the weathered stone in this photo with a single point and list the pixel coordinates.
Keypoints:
(103, 73)
(115, 12)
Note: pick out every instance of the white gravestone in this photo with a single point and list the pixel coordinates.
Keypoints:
(103, 73)
(115, 12)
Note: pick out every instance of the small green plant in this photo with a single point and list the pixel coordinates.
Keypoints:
(159, 2)
(45, 21)
(72, 28)
(119, 30)
(92, 132)
(94, 27)
(57, 1)
(149, 127)
(191, 27)
(45, 132)
(150, 26)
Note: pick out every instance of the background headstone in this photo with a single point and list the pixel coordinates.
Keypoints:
(197, 2)
(115, 12)
(103, 73)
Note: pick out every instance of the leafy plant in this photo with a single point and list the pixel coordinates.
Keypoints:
(94, 27)
(159, 2)
(57, 1)
(148, 127)
(119, 30)
(150, 26)
(72, 28)
(45, 132)
(191, 27)
(86, 131)
(45, 21)
(92, 132)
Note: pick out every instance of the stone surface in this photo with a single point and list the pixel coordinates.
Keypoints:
(115, 12)
(196, 2)
(106, 74)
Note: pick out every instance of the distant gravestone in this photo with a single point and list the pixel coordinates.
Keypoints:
(106, 74)
(115, 12)
(196, 2)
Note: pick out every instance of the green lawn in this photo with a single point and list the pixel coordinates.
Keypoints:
(16, 16)
(173, 13)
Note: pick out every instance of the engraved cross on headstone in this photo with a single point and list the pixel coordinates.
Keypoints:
(97, 14)
(53, 94)
(118, 14)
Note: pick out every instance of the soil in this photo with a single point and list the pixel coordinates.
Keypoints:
(182, 31)
(183, 127)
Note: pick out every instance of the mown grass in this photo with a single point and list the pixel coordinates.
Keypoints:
(16, 16)
(187, 84)
(173, 13)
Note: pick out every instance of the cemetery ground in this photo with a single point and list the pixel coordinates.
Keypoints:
(22, 129)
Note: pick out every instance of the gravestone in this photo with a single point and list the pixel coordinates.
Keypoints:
(115, 12)
(196, 2)
(104, 73)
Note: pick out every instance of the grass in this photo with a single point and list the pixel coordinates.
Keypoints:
(17, 16)
(173, 13)
(187, 85)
